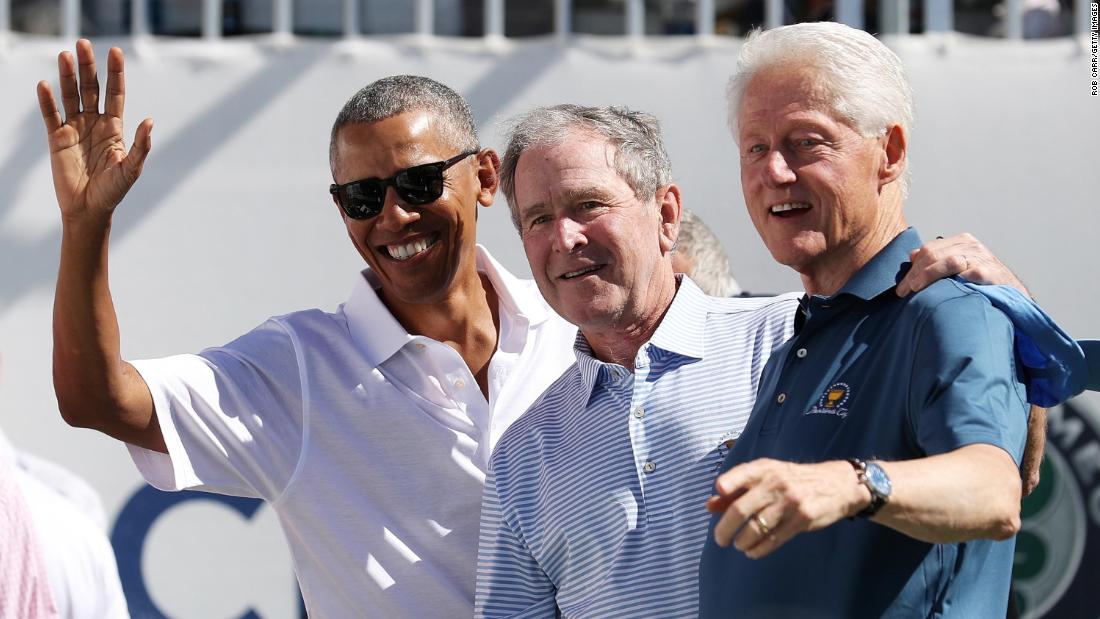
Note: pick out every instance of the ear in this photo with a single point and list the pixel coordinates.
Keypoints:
(488, 173)
(894, 151)
(669, 206)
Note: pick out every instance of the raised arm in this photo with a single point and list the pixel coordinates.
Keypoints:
(92, 171)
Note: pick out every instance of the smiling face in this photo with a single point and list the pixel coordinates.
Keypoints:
(418, 252)
(822, 196)
(599, 254)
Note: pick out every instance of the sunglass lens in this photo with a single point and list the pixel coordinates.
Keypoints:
(364, 199)
(421, 184)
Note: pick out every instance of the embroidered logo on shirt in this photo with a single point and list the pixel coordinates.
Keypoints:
(832, 401)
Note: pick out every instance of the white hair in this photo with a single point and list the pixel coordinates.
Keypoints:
(711, 268)
(863, 80)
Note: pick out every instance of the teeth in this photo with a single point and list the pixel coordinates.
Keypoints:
(572, 274)
(408, 250)
(789, 206)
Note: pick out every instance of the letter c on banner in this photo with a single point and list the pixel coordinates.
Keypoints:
(133, 525)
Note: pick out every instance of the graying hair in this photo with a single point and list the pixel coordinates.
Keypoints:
(398, 94)
(711, 268)
(640, 156)
(863, 80)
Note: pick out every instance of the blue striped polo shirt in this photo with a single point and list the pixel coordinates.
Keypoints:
(594, 505)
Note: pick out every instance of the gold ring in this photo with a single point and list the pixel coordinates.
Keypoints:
(765, 530)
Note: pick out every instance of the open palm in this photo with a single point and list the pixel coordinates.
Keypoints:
(92, 170)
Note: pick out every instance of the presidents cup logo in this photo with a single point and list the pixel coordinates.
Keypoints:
(1057, 567)
(832, 401)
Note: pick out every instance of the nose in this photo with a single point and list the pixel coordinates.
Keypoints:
(568, 235)
(776, 171)
(395, 214)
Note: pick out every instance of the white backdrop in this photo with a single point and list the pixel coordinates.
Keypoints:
(232, 222)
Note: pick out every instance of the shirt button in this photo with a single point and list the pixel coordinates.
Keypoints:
(639, 412)
(801, 353)
(781, 398)
(461, 384)
(649, 466)
(421, 345)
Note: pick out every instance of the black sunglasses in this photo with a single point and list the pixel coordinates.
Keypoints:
(417, 185)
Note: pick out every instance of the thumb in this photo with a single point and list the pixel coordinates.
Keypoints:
(139, 150)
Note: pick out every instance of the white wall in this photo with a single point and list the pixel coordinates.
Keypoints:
(232, 221)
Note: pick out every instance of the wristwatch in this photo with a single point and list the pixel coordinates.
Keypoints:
(877, 482)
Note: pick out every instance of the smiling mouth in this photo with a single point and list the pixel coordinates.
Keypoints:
(789, 209)
(580, 272)
(405, 251)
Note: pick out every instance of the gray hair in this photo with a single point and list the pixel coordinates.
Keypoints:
(398, 94)
(864, 81)
(640, 156)
(711, 268)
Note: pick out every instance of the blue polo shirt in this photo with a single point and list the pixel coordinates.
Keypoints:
(875, 376)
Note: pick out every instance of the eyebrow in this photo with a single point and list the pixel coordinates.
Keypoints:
(572, 196)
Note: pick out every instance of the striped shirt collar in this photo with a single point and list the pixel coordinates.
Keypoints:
(681, 332)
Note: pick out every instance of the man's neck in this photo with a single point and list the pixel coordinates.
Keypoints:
(466, 319)
(827, 276)
(619, 341)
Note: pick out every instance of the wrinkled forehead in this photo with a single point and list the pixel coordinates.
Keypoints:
(581, 164)
(783, 89)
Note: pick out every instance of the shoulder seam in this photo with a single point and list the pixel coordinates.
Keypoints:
(303, 381)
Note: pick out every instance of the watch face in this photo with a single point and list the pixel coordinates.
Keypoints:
(878, 479)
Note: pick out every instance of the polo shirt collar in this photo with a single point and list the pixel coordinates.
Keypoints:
(379, 335)
(680, 332)
(884, 271)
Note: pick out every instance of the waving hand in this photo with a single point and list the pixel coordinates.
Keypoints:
(92, 169)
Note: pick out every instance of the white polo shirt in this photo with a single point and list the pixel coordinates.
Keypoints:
(370, 444)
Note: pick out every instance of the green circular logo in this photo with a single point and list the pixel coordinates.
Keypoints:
(1058, 547)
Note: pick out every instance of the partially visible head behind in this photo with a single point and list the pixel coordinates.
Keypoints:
(862, 81)
(397, 94)
(700, 254)
(640, 156)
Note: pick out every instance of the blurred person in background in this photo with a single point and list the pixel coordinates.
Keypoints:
(700, 255)
(70, 523)
(24, 586)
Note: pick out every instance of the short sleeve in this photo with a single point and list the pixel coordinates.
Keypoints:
(964, 388)
(510, 582)
(231, 416)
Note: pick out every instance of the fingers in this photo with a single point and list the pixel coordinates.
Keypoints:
(941, 258)
(115, 99)
(89, 81)
(50, 116)
(924, 272)
(740, 477)
(66, 75)
(961, 255)
(781, 528)
(737, 515)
